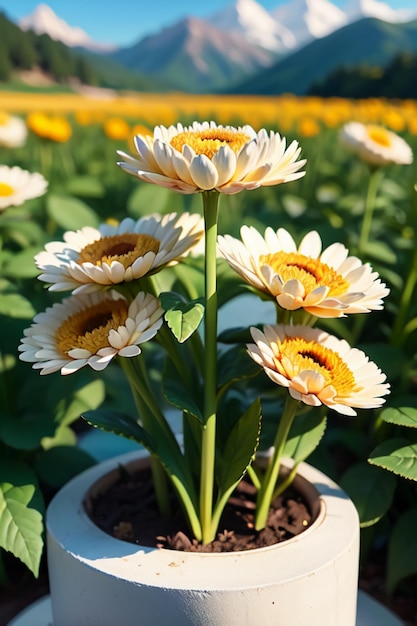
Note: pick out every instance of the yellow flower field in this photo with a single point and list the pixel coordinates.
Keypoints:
(306, 115)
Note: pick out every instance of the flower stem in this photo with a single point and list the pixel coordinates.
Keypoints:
(270, 478)
(210, 206)
(374, 179)
(401, 328)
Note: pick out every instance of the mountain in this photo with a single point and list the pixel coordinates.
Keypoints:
(357, 9)
(368, 41)
(250, 19)
(193, 55)
(44, 21)
(309, 19)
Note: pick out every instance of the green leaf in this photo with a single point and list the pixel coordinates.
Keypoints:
(21, 264)
(89, 186)
(397, 456)
(144, 196)
(401, 416)
(390, 359)
(380, 251)
(183, 318)
(402, 550)
(25, 432)
(21, 513)
(235, 364)
(58, 465)
(89, 397)
(371, 489)
(70, 213)
(16, 306)
(179, 395)
(240, 449)
(120, 424)
(305, 435)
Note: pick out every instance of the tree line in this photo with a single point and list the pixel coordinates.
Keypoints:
(24, 50)
(397, 80)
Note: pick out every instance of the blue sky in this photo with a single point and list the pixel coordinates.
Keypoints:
(123, 22)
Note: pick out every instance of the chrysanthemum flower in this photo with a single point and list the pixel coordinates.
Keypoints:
(318, 368)
(92, 258)
(375, 144)
(17, 186)
(90, 330)
(325, 284)
(13, 131)
(206, 156)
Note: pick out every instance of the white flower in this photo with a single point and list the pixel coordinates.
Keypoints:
(13, 131)
(91, 259)
(326, 283)
(375, 145)
(17, 185)
(90, 330)
(317, 368)
(206, 156)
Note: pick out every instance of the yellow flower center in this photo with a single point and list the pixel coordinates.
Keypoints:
(6, 190)
(4, 118)
(89, 329)
(123, 248)
(312, 273)
(309, 355)
(210, 141)
(379, 135)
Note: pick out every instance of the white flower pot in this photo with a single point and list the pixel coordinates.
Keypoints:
(101, 581)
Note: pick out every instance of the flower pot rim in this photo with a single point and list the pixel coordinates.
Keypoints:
(69, 525)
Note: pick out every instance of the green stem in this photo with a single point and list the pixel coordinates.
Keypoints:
(210, 205)
(140, 395)
(374, 179)
(270, 478)
(400, 328)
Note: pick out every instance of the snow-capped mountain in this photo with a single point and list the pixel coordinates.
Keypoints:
(309, 19)
(281, 31)
(44, 21)
(357, 9)
(259, 27)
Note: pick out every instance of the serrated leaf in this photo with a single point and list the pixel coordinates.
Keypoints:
(402, 550)
(21, 513)
(401, 416)
(183, 318)
(305, 435)
(235, 364)
(397, 456)
(239, 451)
(16, 306)
(119, 424)
(371, 489)
(58, 465)
(70, 213)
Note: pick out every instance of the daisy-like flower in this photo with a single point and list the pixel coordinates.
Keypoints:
(90, 330)
(317, 368)
(375, 144)
(17, 185)
(13, 131)
(326, 283)
(91, 259)
(205, 156)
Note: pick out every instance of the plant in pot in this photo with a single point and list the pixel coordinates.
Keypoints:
(128, 305)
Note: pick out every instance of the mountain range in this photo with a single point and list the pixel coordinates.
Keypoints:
(244, 48)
